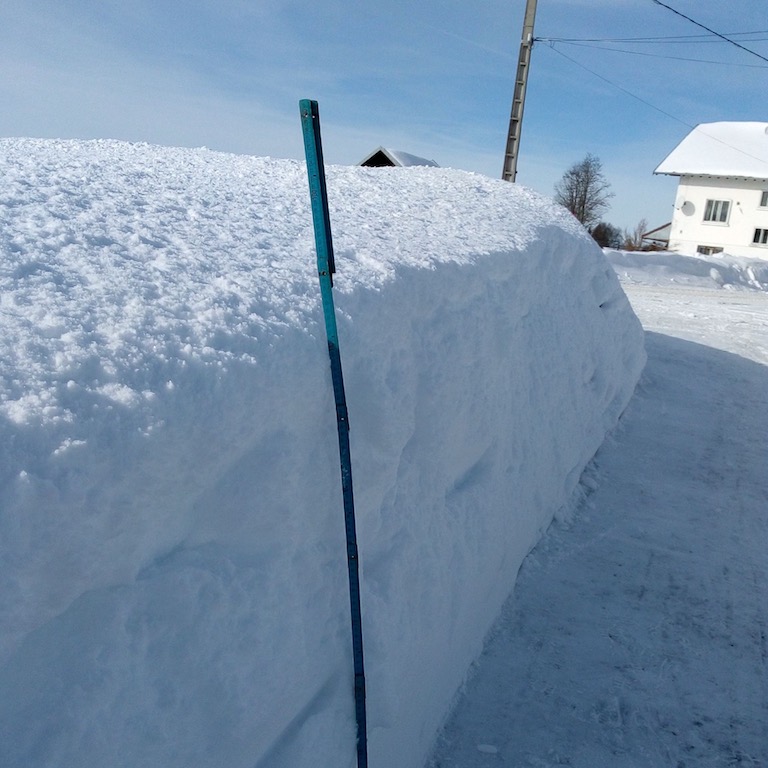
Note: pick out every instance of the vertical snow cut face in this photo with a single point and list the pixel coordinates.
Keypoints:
(171, 532)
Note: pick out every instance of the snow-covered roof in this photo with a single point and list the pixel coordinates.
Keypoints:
(381, 156)
(721, 149)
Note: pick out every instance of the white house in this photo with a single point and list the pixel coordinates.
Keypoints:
(722, 197)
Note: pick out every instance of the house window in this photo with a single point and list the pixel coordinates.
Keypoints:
(761, 237)
(708, 250)
(717, 211)
(764, 199)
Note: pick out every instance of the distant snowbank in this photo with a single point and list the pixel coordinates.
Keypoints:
(667, 267)
(170, 526)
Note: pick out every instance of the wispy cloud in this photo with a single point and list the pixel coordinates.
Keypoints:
(431, 78)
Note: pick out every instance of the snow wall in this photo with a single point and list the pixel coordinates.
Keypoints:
(171, 531)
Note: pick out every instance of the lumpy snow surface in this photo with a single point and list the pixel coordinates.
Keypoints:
(171, 533)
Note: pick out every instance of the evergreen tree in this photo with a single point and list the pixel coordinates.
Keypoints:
(607, 236)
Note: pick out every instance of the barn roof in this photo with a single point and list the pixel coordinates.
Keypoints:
(392, 157)
(721, 149)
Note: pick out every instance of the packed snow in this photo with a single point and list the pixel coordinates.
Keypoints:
(665, 269)
(636, 636)
(171, 535)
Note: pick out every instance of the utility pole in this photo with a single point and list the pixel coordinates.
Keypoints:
(518, 101)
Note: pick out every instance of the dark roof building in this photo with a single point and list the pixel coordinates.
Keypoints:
(391, 158)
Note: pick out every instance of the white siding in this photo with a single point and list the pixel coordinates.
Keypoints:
(689, 231)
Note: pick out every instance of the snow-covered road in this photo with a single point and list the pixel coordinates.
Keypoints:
(638, 635)
(733, 321)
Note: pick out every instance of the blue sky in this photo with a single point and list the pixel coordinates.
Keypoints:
(430, 78)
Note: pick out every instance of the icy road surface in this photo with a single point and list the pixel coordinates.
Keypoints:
(637, 636)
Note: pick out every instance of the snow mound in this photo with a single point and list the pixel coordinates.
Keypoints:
(719, 270)
(171, 538)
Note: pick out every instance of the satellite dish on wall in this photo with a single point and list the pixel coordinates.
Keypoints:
(688, 208)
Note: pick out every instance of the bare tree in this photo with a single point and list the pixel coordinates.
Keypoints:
(584, 191)
(633, 239)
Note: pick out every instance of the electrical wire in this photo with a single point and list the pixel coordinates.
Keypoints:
(621, 88)
(711, 31)
(671, 39)
(653, 106)
(651, 55)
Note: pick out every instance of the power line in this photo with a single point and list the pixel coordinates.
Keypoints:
(712, 31)
(653, 106)
(673, 39)
(621, 88)
(651, 55)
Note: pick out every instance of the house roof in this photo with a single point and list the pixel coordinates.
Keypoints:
(721, 149)
(392, 157)
(659, 234)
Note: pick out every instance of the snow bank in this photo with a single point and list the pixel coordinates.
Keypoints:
(719, 270)
(171, 539)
